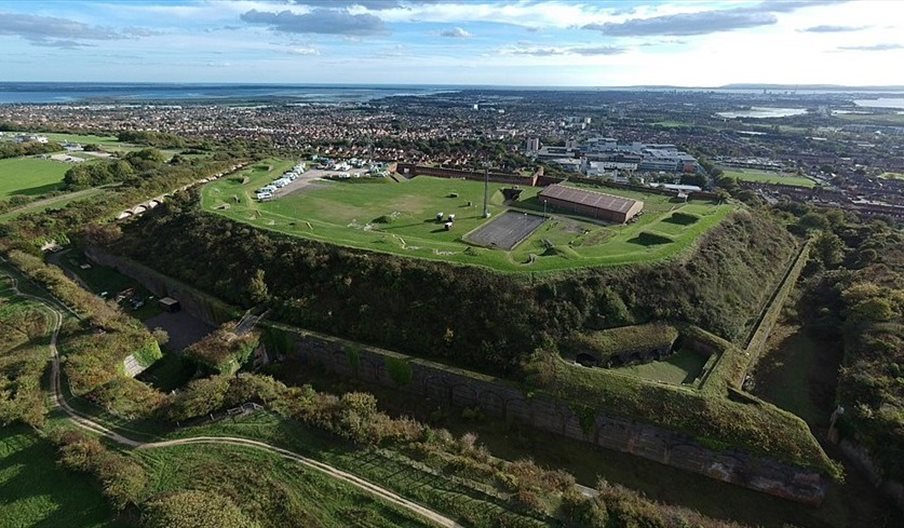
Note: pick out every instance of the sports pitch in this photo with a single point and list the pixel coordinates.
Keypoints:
(400, 218)
(762, 176)
(30, 176)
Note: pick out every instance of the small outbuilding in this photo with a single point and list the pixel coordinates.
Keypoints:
(168, 304)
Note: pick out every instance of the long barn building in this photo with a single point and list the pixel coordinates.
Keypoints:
(591, 203)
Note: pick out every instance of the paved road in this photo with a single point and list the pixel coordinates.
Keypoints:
(85, 422)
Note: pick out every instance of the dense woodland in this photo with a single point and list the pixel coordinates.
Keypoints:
(465, 315)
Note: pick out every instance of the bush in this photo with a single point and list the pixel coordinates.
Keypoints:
(128, 398)
(193, 509)
(681, 218)
(123, 479)
(223, 351)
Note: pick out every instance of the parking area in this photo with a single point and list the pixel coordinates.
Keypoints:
(312, 176)
(507, 230)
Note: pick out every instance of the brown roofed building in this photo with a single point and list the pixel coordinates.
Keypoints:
(591, 203)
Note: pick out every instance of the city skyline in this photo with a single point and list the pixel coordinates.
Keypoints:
(509, 42)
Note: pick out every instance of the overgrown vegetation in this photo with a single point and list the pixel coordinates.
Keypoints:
(463, 315)
(24, 331)
(712, 419)
(854, 292)
(131, 165)
(626, 341)
(96, 347)
(547, 496)
(123, 479)
(223, 351)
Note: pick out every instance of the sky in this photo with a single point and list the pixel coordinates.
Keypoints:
(455, 42)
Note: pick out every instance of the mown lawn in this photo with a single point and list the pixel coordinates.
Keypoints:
(399, 218)
(35, 492)
(761, 176)
(30, 176)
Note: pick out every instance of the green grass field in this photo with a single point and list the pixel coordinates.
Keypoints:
(761, 176)
(349, 214)
(56, 201)
(36, 492)
(106, 143)
(30, 176)
(680, 368)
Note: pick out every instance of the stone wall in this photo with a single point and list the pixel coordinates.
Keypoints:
(861, 458)
(206, 308)
(435, 383)
(502, 399)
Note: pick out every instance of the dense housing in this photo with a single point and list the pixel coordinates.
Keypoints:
(591, 203)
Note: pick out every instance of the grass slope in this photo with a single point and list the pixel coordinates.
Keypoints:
(268, 489)
(36, 492)
(344, 213)
(30, 176)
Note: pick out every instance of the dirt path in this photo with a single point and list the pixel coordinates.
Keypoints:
(85, 422)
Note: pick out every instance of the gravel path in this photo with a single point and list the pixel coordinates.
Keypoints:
(85, 422)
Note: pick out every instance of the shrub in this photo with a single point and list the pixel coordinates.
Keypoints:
(399, 370)
(193, 509)
(223, 351)
(123, 479)
(128, 398)
(682, 218)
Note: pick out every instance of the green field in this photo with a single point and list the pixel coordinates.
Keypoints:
(398, 218)
(106, 143)
(683, 367)
(762, 176)
(56, 201)
(30, 176)
(268, 489)
(36, 492)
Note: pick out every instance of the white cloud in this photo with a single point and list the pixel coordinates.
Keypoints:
(303, 51)
(455, 32)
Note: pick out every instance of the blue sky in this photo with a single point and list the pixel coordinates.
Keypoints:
(498, 42)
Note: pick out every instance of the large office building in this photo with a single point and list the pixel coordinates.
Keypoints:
(591, 203)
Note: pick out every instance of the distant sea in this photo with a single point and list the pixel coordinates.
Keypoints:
(174, 93)
(136, 93)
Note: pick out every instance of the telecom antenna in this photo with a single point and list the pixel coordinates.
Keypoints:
(486, 191)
